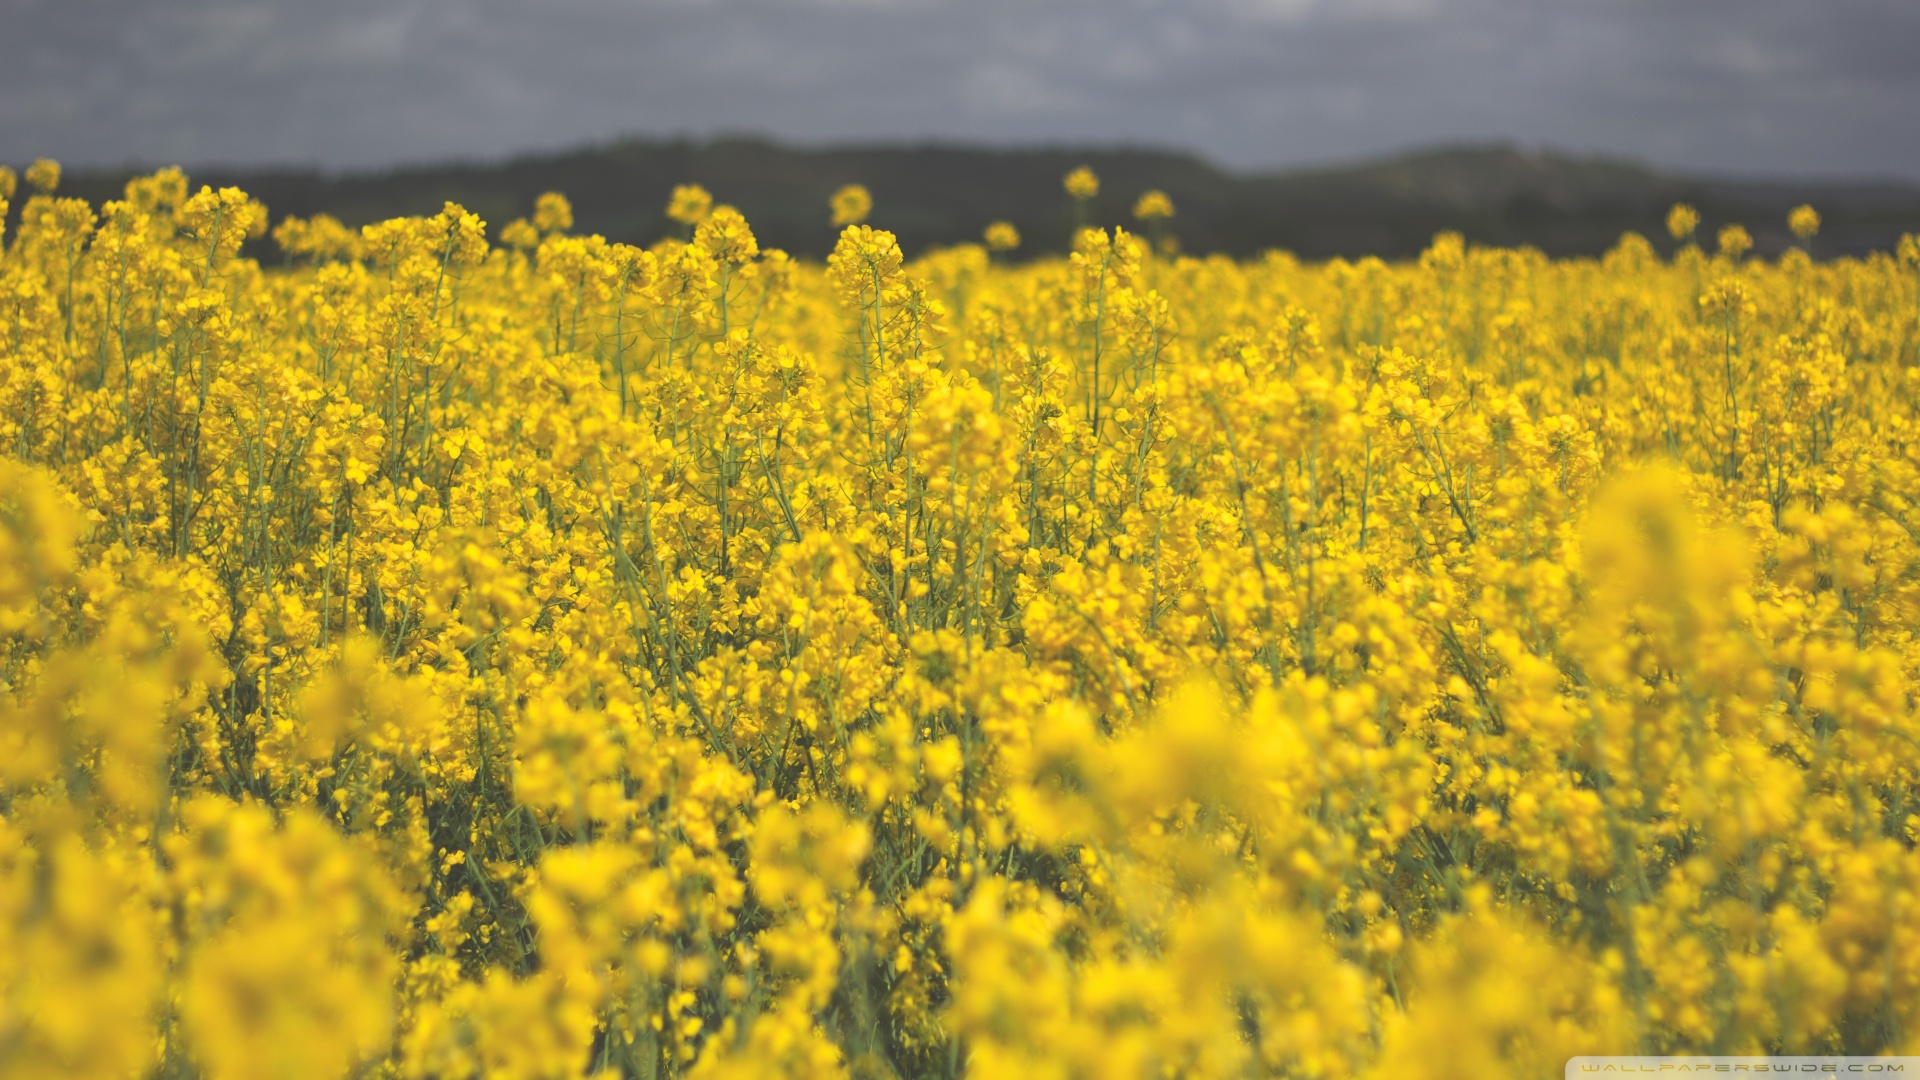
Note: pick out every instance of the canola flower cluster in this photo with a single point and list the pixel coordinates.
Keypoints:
(439, 658)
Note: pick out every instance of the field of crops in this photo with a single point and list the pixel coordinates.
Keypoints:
(428, 654)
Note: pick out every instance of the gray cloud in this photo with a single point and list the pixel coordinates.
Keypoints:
(1771, 86)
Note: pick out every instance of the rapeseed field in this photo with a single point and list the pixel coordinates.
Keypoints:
(433, 654)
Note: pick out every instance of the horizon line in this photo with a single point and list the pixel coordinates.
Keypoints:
(1057, 147)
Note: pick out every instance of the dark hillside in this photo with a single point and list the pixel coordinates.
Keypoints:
(944, 194)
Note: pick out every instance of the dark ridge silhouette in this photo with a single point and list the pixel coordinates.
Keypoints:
(938, 194)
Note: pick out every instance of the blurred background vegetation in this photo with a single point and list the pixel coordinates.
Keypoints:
(936, 195)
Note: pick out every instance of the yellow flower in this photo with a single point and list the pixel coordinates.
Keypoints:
(1803, 222)
(725, 235)
(689, 204)
(851, 205)
(1081, 183)
(552, 213)
(43, 176)
(1153, 206)
(520, 234)
(1734, 241)
(1682, 220)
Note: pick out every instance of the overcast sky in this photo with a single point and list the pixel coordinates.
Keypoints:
(1742, 86)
